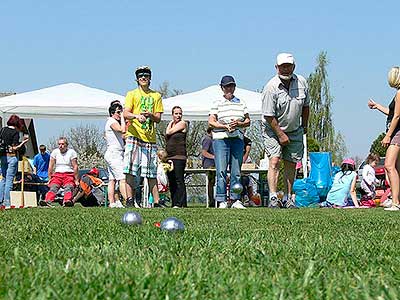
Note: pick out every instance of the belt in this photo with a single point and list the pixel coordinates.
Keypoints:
(11, 154)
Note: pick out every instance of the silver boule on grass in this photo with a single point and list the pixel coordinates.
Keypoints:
(172, 224)
(132, 218)
(237, 188)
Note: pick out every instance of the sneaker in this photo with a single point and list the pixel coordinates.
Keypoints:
(45, 203)
(129, 202)
(68, 203)
(113, 205)
(274, 202)
(223, 204)
(238, 204)
(158, 205)
(290, 203)
(137, 204)
(118, 204)
(394, 207)
(387, 203)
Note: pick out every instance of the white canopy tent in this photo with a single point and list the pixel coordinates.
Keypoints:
(70, 100)
(196, 105)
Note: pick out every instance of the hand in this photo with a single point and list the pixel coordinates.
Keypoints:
(372, 104)
(147, 114)
(233, 124)
(76, 182)
(228, 127)
(141, 118)
(283, 139)
(385, 141)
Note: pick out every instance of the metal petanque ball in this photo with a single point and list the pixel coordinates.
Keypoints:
(172, 224)
(237, 188)
(132, 218)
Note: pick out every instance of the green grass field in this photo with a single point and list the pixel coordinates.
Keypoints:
(258, 253)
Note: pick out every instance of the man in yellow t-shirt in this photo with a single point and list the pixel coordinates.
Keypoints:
(143, 108)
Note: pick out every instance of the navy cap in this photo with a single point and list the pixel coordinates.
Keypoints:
(227, 79)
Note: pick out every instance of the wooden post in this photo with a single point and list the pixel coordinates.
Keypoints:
(22, 181)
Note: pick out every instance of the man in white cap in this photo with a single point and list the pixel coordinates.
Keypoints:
(285, 110)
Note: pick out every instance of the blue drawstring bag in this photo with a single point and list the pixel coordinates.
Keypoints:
(321, 171)
(306, 192)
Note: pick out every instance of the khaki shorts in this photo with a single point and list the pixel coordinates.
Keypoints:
(292, 152)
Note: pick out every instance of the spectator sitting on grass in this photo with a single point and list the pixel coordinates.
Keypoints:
(90, 192)
(344, 186)
(368, 176)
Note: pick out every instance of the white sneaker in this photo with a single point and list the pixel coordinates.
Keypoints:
(387, 203)
(392, 208)
(223, 204)
(113, 205)
(238, 204)
(118, 204)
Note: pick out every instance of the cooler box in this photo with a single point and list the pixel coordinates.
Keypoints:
(29, 199)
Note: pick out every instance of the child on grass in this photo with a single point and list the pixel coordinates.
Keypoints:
(344, 186)
(164, 165)
(368, 176)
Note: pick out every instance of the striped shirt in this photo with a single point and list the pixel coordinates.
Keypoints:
(226, 111)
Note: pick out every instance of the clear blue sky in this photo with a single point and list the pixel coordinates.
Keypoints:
(191, 44)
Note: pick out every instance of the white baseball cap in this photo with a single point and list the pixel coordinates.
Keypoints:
(285, 58)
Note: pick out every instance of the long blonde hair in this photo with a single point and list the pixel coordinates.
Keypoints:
(394, 77)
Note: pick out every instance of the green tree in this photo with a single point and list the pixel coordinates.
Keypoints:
(166, 92)
(88, 142)
(321, 127)
(312, 145)
(377, 147)
(339, 149)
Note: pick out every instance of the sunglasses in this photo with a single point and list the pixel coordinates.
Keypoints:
(145, 75)
(118, 112)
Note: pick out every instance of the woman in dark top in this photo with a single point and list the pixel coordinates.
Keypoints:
(10, 145)
(176, 149)
(392, 137)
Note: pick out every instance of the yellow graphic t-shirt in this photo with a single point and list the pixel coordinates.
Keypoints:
(139, 101)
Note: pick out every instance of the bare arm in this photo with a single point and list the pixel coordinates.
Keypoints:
(117, 127)
(156, 117)
(207, 154)
(373, 105)
(353, 192)
(304, 118)
(172, 128)
(128, 115)
(395, 121)
(246, 153)
(214, 123)
(52, 163)
(17, 147)
(283, 138)
(74, 163)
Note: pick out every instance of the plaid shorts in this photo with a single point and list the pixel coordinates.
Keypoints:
(140, 158)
